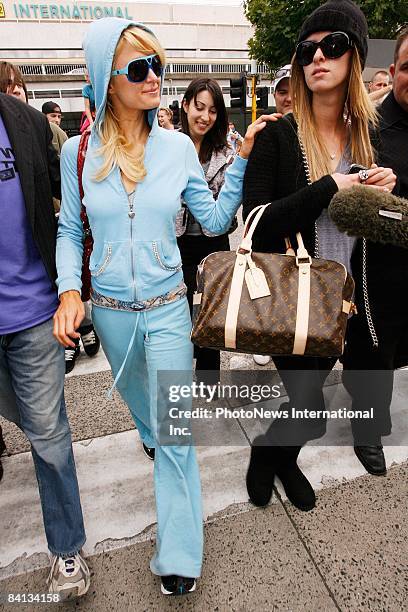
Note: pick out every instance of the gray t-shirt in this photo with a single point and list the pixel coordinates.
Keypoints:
(333, 244)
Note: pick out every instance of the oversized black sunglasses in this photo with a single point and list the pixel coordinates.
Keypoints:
(333, 46)
(137, 70)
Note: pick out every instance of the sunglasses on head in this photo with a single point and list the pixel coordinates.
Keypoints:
(333, 46)
(137, 70)
(283, 73)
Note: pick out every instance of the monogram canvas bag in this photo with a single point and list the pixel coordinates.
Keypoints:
(271, 304)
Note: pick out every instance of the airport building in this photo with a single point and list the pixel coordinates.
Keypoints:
(44, 40)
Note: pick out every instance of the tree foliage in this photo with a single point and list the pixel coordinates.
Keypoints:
(277, 23)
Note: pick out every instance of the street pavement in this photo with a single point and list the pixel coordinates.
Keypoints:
(350, 553)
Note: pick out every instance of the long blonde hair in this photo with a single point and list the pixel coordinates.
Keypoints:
(115, 149)
(359, 112)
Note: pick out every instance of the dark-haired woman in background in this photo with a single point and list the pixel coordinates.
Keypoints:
(204, 119)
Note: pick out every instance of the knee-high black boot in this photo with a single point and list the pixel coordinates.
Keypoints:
(297, 487)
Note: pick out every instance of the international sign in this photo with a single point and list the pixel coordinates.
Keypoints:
(85, 12)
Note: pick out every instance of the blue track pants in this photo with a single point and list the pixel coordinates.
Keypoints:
(138, 345)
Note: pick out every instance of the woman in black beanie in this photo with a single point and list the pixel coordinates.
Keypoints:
(298, 164)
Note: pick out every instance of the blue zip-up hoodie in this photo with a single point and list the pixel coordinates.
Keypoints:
(134, 259)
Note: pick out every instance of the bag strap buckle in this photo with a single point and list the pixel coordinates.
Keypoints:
(303, 261)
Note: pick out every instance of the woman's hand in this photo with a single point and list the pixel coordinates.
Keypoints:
(381, 178)
(255, 127)
(345, 181)
(68, 318)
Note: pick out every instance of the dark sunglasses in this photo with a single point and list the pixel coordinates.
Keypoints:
(137, 70)
(333, 46)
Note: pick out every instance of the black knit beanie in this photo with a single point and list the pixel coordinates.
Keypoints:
(339, 16)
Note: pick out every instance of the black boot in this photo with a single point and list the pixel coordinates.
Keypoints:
(372, 458)
(261, 473)
(297, 487)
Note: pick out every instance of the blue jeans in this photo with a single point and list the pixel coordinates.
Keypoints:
(32, 370)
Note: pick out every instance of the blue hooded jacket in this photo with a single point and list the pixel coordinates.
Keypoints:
(134, 259)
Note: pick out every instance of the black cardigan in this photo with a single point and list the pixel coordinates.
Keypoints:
(38, 166)
(275, 173)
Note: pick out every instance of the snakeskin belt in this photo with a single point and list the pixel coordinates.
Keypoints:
(109, 302)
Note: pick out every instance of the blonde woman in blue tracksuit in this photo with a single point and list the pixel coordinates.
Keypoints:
(134, 177)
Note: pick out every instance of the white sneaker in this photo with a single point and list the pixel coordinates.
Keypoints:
(261, 359)
(69, 577)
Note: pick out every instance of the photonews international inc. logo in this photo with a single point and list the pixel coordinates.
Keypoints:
(2, 11)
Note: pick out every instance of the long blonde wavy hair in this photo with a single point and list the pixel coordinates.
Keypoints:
(358, 111)
(115, 149)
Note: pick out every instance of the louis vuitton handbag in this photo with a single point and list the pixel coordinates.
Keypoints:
(271, 304)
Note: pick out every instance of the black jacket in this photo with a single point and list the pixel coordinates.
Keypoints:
(275, 173)
(393, 140)
(38, 166)
(387, 265)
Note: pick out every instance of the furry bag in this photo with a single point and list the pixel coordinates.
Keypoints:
(367, 213)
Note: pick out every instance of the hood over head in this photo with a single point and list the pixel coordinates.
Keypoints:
(99, 45)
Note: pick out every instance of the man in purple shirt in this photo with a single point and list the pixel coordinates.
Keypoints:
(32, 366)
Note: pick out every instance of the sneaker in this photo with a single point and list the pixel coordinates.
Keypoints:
(177, 585)
(69, 577)
(90, 340)
(149, 452)
(261, 359)
(70, 356)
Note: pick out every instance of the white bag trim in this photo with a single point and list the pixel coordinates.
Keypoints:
(234, 301)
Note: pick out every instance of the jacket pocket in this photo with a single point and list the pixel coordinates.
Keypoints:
(113, 270)
(100, 268)
(164, 261)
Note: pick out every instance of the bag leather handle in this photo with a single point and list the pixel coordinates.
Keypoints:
(246, 243)
(250, 217)
(250, 227)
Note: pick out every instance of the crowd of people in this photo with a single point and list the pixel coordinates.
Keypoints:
(158, 201)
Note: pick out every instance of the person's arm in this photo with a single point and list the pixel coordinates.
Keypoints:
(292, 213)
(379, 93)
(88, 112)
(53, 163)
(214, 216)
(70, 231)
(69, 249)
